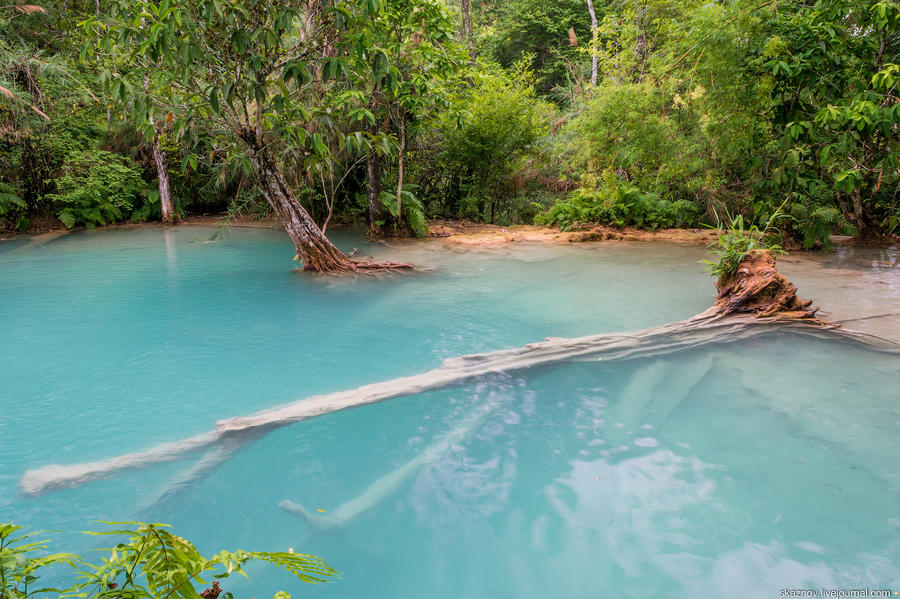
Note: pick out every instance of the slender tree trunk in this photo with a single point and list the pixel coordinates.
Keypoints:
(845, 211)
(373, 191)
(467, 21)
(313, 248)
(641, 48)
(162, 172)
(162, 177)
(400, 169)
(866, 226)
(594, 36)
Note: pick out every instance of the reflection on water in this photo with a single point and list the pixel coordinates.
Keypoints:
(739, 469)
(849, 283)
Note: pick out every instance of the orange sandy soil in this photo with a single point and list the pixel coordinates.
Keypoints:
(481, 235)
(467, 233)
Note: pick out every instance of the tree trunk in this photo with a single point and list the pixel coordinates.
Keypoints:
(867, 226)
(594, 36)
(467, 21)
(314, 250)
(373, 191)
(400, 169)
(162, 176)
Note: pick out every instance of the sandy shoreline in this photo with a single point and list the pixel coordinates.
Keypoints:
(455, 233)
(483, 235)
(458, 233)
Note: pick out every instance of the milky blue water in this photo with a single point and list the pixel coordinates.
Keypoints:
(738, 469)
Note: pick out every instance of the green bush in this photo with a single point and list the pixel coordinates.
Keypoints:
(148, 561)
(470, 164)
(410, 213)
(816, 224)
(540, 28)
(96, 187)
(619, 204)
(735, 243)
(12, 206)
(634, 132)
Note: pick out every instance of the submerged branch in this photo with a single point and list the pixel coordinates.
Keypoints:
(704, 329)
(755, 300)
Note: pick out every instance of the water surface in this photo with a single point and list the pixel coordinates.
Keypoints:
(748, 467)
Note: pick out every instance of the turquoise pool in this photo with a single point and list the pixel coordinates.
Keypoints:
(739, 469)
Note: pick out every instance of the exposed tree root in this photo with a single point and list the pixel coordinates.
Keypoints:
(355, 266)
(385, 265)
(758, 288)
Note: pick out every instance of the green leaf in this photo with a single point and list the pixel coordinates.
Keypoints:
(214, 99)
(318, 145)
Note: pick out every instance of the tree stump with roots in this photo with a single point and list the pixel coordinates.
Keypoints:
(757, 287)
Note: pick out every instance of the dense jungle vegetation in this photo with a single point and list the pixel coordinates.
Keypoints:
(385, 113)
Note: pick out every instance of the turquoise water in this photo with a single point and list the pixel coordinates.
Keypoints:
(744, 468)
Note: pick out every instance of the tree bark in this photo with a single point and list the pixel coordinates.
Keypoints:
(867, 225)
(467, 21)
(373, 192)
(314, 250)
(400, 169)
(162, 176)
(594, 35)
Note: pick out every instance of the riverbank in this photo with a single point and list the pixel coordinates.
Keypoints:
(461, 233)
(465, 233)
(483, 235)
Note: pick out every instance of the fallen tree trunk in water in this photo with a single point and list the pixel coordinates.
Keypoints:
(744, 314)
(704, 329)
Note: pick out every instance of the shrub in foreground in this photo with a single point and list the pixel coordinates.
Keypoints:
(148, 561)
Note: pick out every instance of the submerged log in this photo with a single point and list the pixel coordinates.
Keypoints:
(703, 329)
(754, 301)
(758, 288)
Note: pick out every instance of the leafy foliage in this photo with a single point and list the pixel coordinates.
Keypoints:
(830, 72)
(19, 566)
(494, 126)
(816, 225)
(737, 241)
(625, 129)
(410, 212)
(10, 200)
(96, 187)
(147, 562)
(618, 204)
(541, 30)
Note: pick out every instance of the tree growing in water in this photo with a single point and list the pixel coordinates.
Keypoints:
(248, 72)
